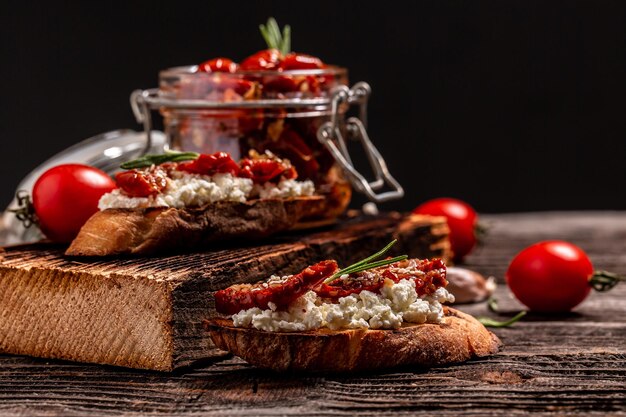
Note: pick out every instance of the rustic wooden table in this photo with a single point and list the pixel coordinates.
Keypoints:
(572, 364)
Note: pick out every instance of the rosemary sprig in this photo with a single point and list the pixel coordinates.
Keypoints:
(158, 159)
(489, 322)
(362, 261)
(372, 257)
(273, 37)
(365, 264)
(376, 264)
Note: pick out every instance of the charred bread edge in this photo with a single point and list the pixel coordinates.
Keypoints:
(458, 338)
(158, 229)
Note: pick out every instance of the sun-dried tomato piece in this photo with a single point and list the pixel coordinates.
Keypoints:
(260, 170)
(267, 59)
(431, 274)
(218, 65)
(280, 84)
(295, 61)
(291, 145)
(264, 169)
(353, 284)
(243, 88)
(205, 164)
(244, 296)
(141, 183)
(310, 84)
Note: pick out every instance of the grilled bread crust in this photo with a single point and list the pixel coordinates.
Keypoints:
(145, 231)
(458, 338)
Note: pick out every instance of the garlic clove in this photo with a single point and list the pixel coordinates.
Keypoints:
(469, 286)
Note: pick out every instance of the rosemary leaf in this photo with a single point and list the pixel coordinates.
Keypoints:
(274, 38)
(266, 35)
(376, 255)
(354, 267)
(285, 47)
(365, 267)
(376, 264)
(157, 159)
(489, 322)
(274, 30)
(366, 260)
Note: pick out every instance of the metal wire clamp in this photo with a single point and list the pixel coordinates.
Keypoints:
(330, 134)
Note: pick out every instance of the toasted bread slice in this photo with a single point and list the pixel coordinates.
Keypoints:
(458, 338)
(152, 230)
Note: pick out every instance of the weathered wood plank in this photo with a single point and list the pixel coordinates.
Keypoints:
(148, 312)
(551, 365)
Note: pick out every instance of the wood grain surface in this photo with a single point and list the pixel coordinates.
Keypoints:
(572, 364)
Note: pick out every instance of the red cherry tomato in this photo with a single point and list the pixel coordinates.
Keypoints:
(65, 196)
(268, 59)
(294, 61)
(550, 276)
(462, 219)
(218, 65)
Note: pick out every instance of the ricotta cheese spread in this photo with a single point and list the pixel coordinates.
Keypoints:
(285, 188)
(192, 190)
(396, 303)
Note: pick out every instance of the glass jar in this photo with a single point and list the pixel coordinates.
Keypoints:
(298, 115)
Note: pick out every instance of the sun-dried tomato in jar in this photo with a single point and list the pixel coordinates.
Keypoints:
(278, 111)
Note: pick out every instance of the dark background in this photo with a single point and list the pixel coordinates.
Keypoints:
(509, 105)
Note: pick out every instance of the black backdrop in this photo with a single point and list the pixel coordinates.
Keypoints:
(510, 105)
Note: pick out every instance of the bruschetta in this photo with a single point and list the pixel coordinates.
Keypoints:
(371, 315)
(181, 201)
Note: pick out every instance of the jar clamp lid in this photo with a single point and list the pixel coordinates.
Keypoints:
(143, 102)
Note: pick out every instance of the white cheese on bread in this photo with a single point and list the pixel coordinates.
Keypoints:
(193, 190)
(396, 303)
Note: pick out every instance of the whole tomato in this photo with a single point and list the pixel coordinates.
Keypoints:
(550, 276)
(65, 196)
(462, 221)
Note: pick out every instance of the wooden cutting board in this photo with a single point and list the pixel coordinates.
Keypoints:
(148, 313)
